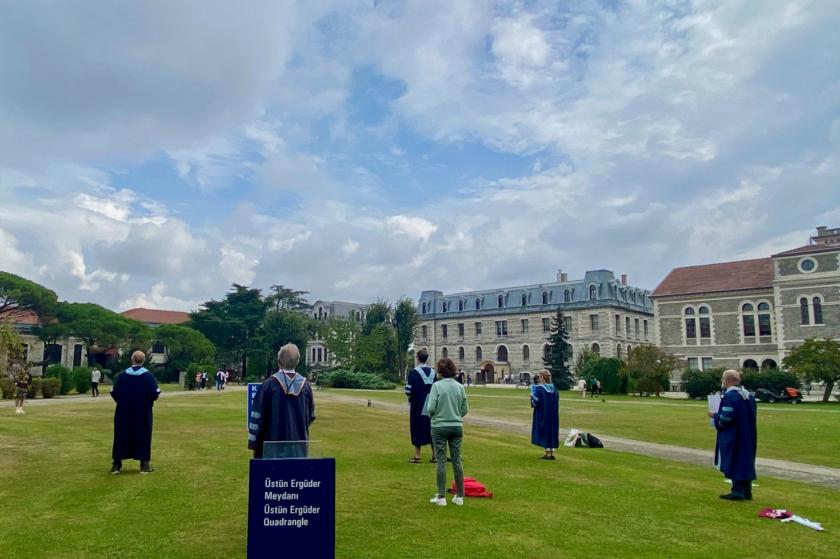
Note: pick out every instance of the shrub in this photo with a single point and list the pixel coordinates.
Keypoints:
(7, 386)
(34, 388)
(81, 379)
(775, 380)
(348, 379)
(64, 375)
(608, 371)
(700, 384)
(50, 387)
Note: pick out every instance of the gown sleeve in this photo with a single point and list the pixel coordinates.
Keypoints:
(725, 417)
(311, 400)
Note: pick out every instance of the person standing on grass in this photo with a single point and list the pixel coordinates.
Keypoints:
(545, 425)
(95, 377)
(447, 407)
(135, 391)
(283, 409)
(22, 382)
(417, 388)
(737, 437)
(582, 387)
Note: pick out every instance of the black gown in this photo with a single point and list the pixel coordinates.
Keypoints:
(417, 389)
(283, 410)
(135, 392)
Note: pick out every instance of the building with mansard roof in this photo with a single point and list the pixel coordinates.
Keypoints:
(751, 313)
(504, 331)
(317, 353)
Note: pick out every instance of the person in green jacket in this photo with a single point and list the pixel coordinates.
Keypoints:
(447, 406)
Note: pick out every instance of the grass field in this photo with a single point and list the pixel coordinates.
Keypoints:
(801, 433)
(58, 500)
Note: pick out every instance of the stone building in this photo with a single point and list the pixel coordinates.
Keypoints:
(317, 352)
(497, 332)
(155, 318)
(751, 313)
(69, 351)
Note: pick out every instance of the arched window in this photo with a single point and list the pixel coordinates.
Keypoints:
(804, 311)
(424, 307)
(567, 296)
(501, 354)
(818, 319)
(501, 301)
(596, 349)
(478, 353)
(748, 319)
(764, 323)
(750, 364)
(618, 351)
(690, 324)
(526, 353)
(524, 299)
(477, 304)
(546, 351)
(545, 298)
(705, 323)
(629, 349)
(593, 293)
(768, 364)
(460, 354)
(444, 352)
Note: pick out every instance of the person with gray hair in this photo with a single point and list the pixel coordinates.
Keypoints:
(135, 391)
(283, 408)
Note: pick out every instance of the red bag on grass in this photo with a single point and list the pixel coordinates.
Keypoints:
(472, 488)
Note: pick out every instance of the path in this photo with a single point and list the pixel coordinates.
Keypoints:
(781, 469)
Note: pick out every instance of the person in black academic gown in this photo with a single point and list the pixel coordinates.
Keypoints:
(135, 391)
(283, 410)
(417, 388)
(737, 437)
(545, 426)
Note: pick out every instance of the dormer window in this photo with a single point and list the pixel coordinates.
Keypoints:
(593, 293)
(501, 301)
(524, 300)
(545, 297)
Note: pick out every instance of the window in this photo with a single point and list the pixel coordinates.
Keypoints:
(807, 265)
(818, 319)
(501, 354)
(424, 332)
(646, 329)
(764, 327)
(593, 322)
(478, 353)
(460, 354)
(158, 347)
(526, 353)
(804, 311)
(77, 355)
(596, 349)
(761, 316)
(627, 326)
(636, 326)
(546, 325)
(460, 329)
(750, 364)
(477, 304)
(501, 328)
(445, 306)
(768, 364)
(618, 351)
(593, 293)
(501, 301)
(707, 363)
(444, 353)
(524, 324)
(423, 306)
(546, 352)
(545, 298)
(617, 325)
(567, 324)
(693, 364)
(705, 323)
(524, 299)
(318, 358)
(477, 328)
(460, 305)
(567, 296)
(444, 330)
(748, 319)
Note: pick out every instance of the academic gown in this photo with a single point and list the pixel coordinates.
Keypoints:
(736, 434)
(545, 426)
(417, 388)
(135, 391)
(283, 410)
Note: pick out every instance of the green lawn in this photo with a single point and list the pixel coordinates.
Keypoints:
(59, 501)
(802, 433)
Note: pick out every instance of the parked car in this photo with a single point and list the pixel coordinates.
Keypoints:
(789, 395)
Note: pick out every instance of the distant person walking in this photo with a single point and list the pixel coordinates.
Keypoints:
(545, 424)
(197, 384)
(582, 387)
(95, 377)
(219, 379)
(135, 391)
(22, 383)
(469, 379)
(447, 407)
(737, 437)
(204, 380)
(417, 388)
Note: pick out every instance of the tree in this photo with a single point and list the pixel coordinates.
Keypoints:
(12, 362)
(405, 321)
(340, 336)
(650, 367)
(99, 328)
(19, 296)
(283, 298)
(282, 327)
(558, 353)
(184, 345)
(376, 352)
(816, 360)
(377, 313)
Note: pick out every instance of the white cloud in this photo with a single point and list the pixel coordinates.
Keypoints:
(412, 226)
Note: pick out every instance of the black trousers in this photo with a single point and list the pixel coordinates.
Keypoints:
(94, 388)
(742, 487)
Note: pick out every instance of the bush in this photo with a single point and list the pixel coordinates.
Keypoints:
(348, 379)
(50, 387)
(81, 379)
(608, 371)
(64, 375)
(34, 388)
(775, 380)
(700, 384)
(7, 386)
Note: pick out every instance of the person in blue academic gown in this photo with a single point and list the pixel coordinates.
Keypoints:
(283, 410)
(545, 426)
(417, 388)
(737, 437)
(135, 391)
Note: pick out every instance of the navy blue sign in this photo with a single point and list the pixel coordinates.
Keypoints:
(252, 391)
(291, 508)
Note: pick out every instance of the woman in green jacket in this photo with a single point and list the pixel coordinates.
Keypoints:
(447, 405)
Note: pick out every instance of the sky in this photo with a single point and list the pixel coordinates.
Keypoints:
(153, 153)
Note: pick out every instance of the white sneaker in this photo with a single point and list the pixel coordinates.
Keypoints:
(458, 501)
(439, 501)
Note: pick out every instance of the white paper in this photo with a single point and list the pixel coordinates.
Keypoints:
(714, 405)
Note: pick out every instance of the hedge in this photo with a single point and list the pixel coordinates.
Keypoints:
(700, 384)
(64, 375)
(775, 380)
(341, 378)
(7, 387)
(81, 379)
(50, 387)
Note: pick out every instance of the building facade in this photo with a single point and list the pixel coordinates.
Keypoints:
(317, 352)
(154, 318)
(68, 351)
(750, 314)
(499, 332)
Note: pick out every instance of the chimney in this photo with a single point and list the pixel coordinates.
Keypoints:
(564, 277)
(623, 279)
(559, 275)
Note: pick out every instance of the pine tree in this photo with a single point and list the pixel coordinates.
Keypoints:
(558, 352)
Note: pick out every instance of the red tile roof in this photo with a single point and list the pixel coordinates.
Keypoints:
(153, 316)
(712, 278)
(20, 317)
(808, 249)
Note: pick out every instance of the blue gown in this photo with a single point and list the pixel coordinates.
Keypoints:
(283, 410)
(135, 392)
(545, 426)
(736, 435)
(417, 388)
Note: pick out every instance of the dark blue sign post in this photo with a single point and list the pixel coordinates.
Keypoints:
(291, 508)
